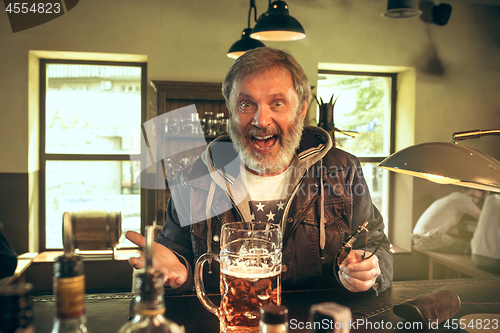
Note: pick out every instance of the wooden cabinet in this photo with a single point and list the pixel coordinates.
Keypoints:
(176, 134)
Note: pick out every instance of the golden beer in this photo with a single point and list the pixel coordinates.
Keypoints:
(241, 297)
(250, 266)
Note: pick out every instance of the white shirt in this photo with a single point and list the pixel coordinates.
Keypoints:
(444, 214)
(268, 195)
(486, 239)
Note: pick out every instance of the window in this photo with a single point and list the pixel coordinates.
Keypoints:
(90, 116)
(364, 103)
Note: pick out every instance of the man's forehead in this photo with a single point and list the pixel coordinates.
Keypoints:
(274, 72)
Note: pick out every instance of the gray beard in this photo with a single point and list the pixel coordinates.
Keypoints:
(265, 163)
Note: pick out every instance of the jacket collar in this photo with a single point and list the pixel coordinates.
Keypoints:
(225, 163)
(227, 171)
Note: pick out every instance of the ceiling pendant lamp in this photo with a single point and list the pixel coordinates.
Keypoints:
(277, 24)
(245, 43)
(401, 9)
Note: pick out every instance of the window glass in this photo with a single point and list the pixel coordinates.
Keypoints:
(377, 180)
(73, 186)
(92, 109)
(362, 105)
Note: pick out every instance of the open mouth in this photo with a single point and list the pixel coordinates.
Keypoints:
(264, 142)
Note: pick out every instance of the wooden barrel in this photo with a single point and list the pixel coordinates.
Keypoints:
(93, 230)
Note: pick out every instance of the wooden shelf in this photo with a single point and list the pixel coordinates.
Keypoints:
(189, 90)
(190, 136)
(172, 95)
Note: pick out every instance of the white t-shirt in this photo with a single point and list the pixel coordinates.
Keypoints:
(268, 196)
(486, 238)
(444, 214)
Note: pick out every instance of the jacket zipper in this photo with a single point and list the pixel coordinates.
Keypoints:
(287, 208)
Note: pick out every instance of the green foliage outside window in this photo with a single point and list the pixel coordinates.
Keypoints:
(362, 106)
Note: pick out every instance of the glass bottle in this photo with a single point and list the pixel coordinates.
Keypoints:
(221, 124)
(273, 319)
(195, 123)
(69, 290)
(16, 314)
(330, 317)
(207, 122)
(149, 307)
(69, 286)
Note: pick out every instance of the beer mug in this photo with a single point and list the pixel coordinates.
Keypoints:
(250, 274)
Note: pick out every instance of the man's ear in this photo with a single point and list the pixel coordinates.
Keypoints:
(303, 110)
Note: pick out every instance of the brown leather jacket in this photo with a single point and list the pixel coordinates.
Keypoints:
(209, 193)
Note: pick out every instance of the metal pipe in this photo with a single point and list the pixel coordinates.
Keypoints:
(458, 136)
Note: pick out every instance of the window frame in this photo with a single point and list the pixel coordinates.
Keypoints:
(392, 139)
(44, 157)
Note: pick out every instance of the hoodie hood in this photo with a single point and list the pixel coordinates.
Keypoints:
(227, 172)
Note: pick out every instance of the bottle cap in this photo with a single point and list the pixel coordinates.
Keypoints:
(332, 312)
(274, 314)
(68, 266)
(149, 286)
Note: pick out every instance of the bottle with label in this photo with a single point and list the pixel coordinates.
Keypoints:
(273, 319)
(69, 290)
(149, 308)
(69, 286)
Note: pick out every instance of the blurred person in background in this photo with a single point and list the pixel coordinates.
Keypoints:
(431, 231)
(485, 243)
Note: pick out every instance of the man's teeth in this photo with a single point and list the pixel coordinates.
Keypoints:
(263, 137)
(264, 142)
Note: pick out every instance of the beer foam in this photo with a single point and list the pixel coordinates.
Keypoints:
(251, 272)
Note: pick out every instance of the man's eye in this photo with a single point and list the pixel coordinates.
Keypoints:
(246, 106)
(278, 103)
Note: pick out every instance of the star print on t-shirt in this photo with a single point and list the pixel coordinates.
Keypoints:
(267, 211)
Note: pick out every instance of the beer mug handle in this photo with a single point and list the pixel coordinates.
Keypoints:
(200, 287)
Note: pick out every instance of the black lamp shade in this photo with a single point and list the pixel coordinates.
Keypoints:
(244, 44)
(278, 25)
(441, 14)
(401, 9)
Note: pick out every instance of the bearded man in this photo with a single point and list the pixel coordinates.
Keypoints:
(316, 192)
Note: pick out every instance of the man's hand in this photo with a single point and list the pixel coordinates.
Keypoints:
(174, 273)
(357, 274)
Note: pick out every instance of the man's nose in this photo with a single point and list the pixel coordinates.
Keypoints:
(263, 117)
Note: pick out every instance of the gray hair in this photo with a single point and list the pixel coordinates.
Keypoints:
(258, 61)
